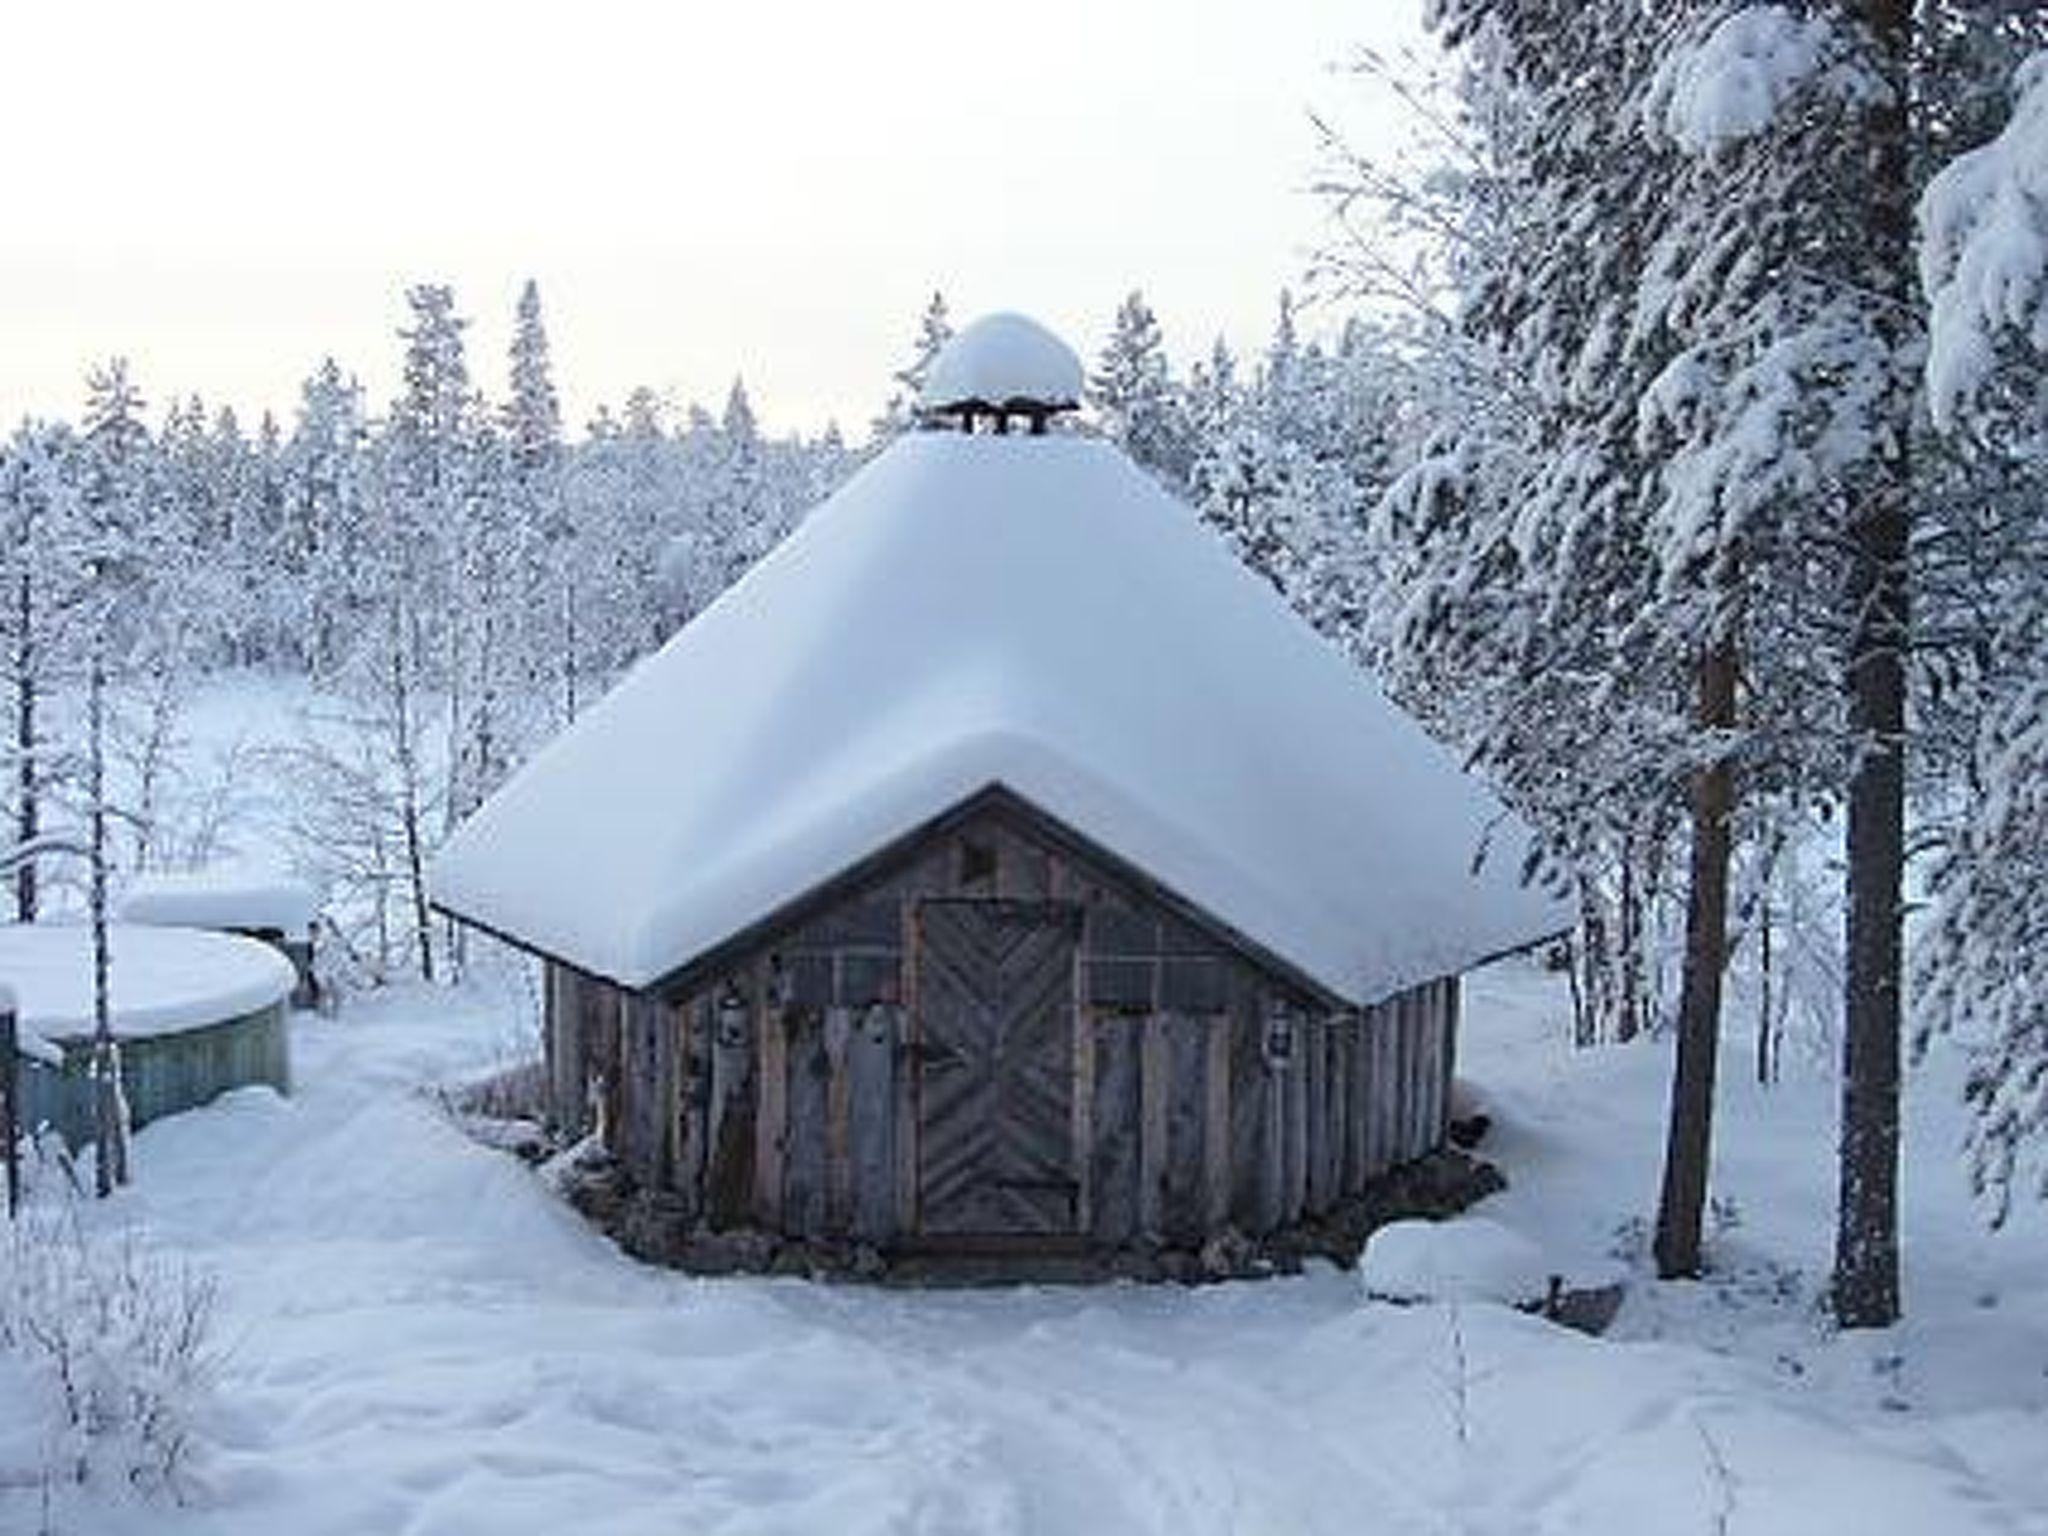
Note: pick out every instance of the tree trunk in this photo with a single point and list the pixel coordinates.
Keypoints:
(1628, 1021)
(1866, 1279)
(110, 1152)
(1688, 1145)
(409, 810)
(27, 781)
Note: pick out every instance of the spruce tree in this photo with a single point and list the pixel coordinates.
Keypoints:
(934, 330)
(1136, 402)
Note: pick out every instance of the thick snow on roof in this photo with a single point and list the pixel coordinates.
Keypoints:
(1028, 611)
(159, 980)
(222, 896)
(1000, 358)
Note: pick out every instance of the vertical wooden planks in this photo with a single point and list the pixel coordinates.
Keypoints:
(1315, 1130)
(1337, 1090)
(839, 1031)
(1082, 1107)
(1385, 1131)
(910, 1042)
(1354, 1071)
(1294, 1124)
(1418, 1068)
(803, 1192)
(635, 1129)
(560, 1017)
(1273, 1123)
(729, 1141)
(1453, 1006)
(771, 1113)
(1247, 1105)
(1427, 1066)
(1155, 1070)
(1216, 1129)
(1115, 1116)
(1439, 1052)
(1184, 1200)
(1397, 1083)
(871, 1058)
(600, 1019)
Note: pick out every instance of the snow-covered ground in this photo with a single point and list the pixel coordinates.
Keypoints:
(420, 1338)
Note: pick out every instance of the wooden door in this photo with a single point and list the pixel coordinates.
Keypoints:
(995, 1068)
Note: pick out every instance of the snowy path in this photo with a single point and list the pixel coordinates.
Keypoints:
(424, 1342)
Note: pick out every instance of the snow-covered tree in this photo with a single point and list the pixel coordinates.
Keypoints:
(44, 586)
(1984, 266)
(116, 503)
(1135, 399)
(533, 448)
(899, 415)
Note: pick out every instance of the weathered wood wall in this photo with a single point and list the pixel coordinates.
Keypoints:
(1206, 1092)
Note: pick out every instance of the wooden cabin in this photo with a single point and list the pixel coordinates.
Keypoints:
(998, 870)
(996, 1030)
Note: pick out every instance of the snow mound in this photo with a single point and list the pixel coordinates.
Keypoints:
(1468, 1259)
(221, 896)
(1001, 358)
(1033, 613)
(160, 980)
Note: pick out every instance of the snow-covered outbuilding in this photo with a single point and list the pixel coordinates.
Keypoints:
(998, 866)
(196, 1014)
(255, 900)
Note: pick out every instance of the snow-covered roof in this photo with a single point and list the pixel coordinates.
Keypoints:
(159, 980)
(999, 359)
(222, 896)
(1031, 612)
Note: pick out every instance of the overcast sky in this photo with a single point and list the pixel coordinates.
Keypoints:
(225, 191)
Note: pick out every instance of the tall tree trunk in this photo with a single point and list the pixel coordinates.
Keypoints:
(1629, 1017)
(27, 779)
(409, 809)
(1689, 1139)
(110, 1159)
(1866, 1278)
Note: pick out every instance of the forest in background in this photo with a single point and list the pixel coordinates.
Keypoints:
(1671, 440)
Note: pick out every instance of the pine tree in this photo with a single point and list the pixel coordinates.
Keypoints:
(934, 330)
(43, 590)
(533, 432)
(1987, 375)
(1136, 402)
(115, 505)
(322, 536)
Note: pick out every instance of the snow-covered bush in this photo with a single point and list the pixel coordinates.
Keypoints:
(113, 1346)
(1469, 1259)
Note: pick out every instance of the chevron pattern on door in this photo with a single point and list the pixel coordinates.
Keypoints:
(995, 1068)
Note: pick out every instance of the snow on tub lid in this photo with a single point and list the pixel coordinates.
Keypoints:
(160, 980)
(223, 896)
